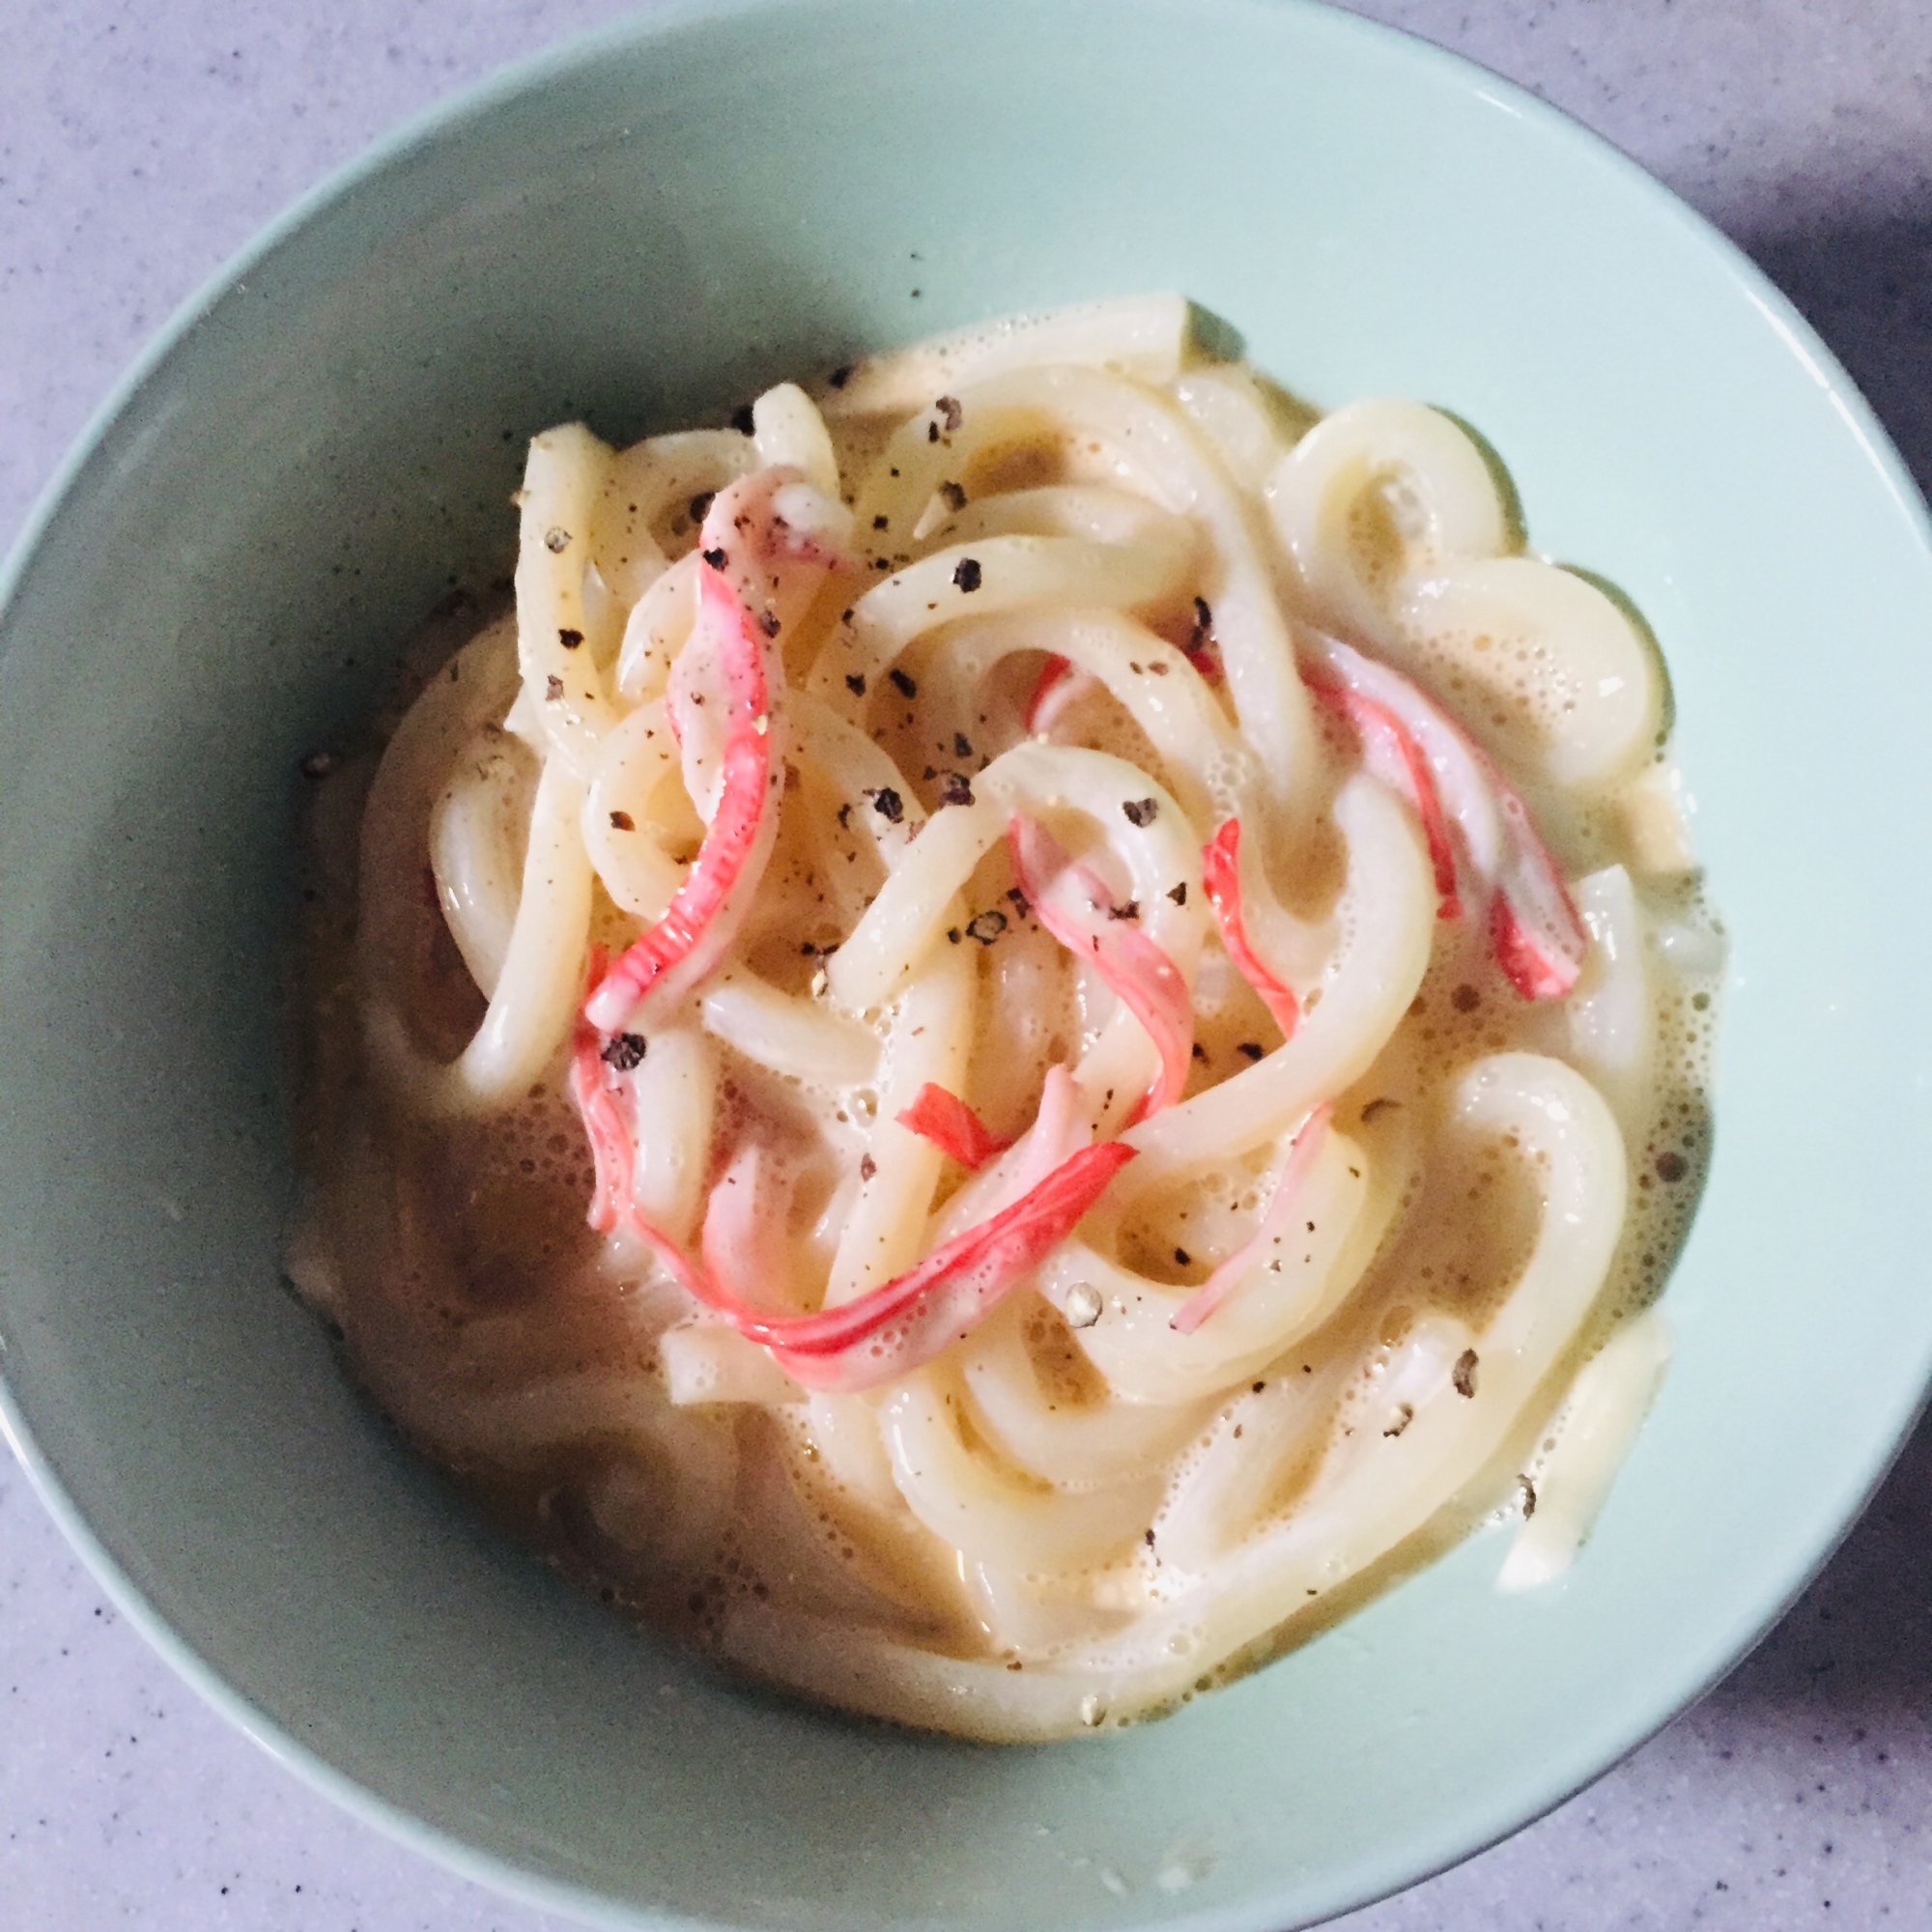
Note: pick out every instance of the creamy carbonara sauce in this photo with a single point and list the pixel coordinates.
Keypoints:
(1011, 1029)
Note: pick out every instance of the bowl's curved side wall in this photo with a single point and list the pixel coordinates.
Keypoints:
(223, 586)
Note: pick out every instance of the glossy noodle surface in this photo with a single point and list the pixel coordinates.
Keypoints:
(1009, 1031)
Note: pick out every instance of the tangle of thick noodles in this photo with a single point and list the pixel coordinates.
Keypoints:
(1014, 1032)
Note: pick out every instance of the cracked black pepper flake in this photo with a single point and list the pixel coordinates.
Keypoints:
(855, 683)
(867, 1167)
(768, 623)
(888, 803)
(957, 789)
(1250, 1049)
(1404, 1415)
(1179, 894)
(318, 764)
(699, 505)
(1464, 1375)
(986, 927)
(953, 497)
(966, 577)
(1132, 910)
(716, 558)
(1149, 1539)
(845, 815)
(553, 689)
(1529, 1497)
(962, 745)
(842, 375)
(949, 411)
(1021, 908)
(1199, 1053)
(1140, 810)
(568, 639)
(953, 935)
(1181, 1257)
(625, 1051)
(741, 418)
(1204, 623)
(901, 683)
(622, 821)
(932, 431)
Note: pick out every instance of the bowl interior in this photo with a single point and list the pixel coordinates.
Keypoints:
(640, 231)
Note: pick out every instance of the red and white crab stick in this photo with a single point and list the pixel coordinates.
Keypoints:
(1484, 847)
(894, 1328)
(1221, 876)
(682, 948)
(1075, 906)
(943, 1118)
(1258, 1249)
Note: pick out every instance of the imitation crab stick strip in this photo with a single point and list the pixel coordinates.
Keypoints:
(604, 1124)
(1060, 681)
(743, 1242)
(610, 1150)
(1221, 875)
(1059, 684)
(1393, 755)
(1256, 1251)
(602, 1119)
(898, 1326)
(943, 1118)
(988, 1257)
(1479, 831)
(895, 1328)
(1074, 905)
(876, 1336)
(1061, 1127)
(706, 912)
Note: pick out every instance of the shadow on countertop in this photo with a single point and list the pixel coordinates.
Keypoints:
(1866, 288)
(1861, 1638)
(1859, 1642)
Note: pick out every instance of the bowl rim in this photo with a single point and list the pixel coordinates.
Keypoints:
(1482, 1826)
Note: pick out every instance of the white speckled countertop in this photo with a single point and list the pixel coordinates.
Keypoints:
(139, 148)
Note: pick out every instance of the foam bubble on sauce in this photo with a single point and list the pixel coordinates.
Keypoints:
(1510, 690)
(1377, 546)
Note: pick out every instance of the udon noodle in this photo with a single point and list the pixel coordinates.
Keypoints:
(1012, 1033)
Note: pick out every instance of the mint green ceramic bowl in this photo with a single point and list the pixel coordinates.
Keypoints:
(640, 230)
